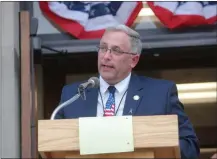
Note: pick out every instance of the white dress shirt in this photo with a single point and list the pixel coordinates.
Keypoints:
(120, 93)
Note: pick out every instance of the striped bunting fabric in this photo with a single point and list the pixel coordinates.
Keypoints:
(88, 20)
(179, 14)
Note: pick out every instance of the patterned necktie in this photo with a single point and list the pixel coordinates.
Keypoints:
(110, 104)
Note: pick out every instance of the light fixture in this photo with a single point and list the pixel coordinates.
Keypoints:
(197, 86)
(192, 93)
(146, 12)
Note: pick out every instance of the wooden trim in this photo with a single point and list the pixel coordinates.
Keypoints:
(35, 117)
(26, 91)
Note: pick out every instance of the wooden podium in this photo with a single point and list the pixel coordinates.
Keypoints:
(154, 137)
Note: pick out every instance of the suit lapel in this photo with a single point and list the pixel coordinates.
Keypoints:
(134, 95)
(90, 104)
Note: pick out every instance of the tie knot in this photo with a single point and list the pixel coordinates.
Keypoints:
(111, 89)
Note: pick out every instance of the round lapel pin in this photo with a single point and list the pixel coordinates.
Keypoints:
(136, 97)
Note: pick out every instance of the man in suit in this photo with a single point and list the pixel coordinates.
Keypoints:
(121, 92)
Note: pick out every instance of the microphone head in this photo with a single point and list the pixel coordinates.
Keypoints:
(94, 82)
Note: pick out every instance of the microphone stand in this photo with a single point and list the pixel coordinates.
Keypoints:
(81, 93)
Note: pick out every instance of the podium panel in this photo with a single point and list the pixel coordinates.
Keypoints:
(154, 137)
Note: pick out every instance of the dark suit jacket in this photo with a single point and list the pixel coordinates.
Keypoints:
(157, 97)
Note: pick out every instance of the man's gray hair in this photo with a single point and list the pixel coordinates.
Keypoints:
(136, 44)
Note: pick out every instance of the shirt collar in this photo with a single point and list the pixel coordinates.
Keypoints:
(120, 87)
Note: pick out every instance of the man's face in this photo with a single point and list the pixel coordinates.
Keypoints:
(115, 67)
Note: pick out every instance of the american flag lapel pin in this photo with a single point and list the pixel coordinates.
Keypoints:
(136, 98)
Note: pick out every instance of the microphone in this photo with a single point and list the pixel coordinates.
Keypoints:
(93, 82)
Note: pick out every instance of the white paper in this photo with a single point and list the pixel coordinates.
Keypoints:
(98, 135)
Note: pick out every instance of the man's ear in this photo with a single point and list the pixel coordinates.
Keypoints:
(135, 60)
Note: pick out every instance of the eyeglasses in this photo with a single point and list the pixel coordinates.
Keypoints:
(115, 51)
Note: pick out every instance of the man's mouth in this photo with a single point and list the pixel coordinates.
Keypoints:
(107, 66)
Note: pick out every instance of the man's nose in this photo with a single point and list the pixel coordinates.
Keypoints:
(107, 54)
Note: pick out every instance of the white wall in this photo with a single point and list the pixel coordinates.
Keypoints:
(9, 80)
(44, 26)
